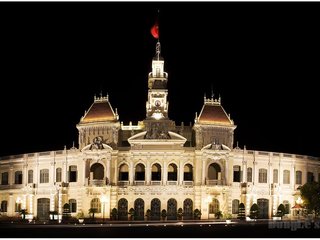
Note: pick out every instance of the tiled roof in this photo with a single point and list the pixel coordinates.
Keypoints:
(213, 113)
(99, 111)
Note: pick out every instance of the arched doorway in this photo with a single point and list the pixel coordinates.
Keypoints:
(139, 209)
(97, 171)
(187, 209)
(172, 209)
(43, 208)
(123, 209)
(263, 205)
(155, 209)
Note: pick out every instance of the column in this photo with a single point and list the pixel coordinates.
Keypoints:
(108, 170)
(203, 177)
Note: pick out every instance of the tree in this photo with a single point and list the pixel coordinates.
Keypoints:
(93, 211)
(114, 214)
(281, 210)
(310, 193)
(148, 214)
(196, 214)
(254, 211)
(180, 213)
(131, 213)
(164, 214)
(241, 213)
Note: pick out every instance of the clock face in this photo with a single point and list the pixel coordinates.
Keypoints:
(157, 103)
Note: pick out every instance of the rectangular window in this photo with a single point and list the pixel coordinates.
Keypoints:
(4, 178)
(44, 175)
(298, 177)
(18, 177)
(263, 175)
(30, 176)
(236, 173)
(310, 177)
(286, 177)
(4, 206)
(73, 173)
(275, 175)
(58, 174)
(249, 174)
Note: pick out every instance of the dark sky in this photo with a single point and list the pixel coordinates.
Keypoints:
(262, 58)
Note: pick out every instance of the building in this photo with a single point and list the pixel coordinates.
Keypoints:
(154, 165)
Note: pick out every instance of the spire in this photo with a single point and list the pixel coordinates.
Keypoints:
(158, 50)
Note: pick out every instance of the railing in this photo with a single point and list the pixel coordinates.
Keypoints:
(187, 183)
(156, 183)
(97, 183)
(214, 182)
(139, 183)
(123, 183)
(171, 183)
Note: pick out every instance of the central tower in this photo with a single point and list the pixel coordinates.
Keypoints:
(157, 122)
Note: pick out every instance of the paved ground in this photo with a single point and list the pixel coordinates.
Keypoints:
(203, 229)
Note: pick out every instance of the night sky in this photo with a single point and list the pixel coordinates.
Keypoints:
(262, 58)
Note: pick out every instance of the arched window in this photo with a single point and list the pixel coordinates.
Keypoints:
(156, 172)
(140, 172)
(95, 203)
(298, 177)
(58, 174)
(310, 177)
(30, 176)
(172, 172)
(249, 174)
(123, 172)
(263, 175)
(18, 177)
(73, 205)
(188, 172)
(235, 206)
(97, 171)
(286, 177)
(214, 206)
(44, 175)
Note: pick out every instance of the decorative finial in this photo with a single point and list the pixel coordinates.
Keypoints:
(107, 97)
(212, 95)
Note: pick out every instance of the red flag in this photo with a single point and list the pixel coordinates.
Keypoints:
(155, 30)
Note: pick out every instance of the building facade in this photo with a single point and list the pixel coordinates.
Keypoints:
(155, 165)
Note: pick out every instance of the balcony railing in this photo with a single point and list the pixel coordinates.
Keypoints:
(171, 183)
(139, 183)
(156, 183)
(97, 183)
(214, 182)
(187, 183)
(123, 183)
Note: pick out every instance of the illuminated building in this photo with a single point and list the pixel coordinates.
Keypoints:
(154, 165)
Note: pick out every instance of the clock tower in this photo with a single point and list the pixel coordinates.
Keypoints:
(157, 122)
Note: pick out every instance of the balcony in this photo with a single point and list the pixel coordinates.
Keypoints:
(172, 183)
(155, 183)
(187, 183)
(97, 183)
(139, 183)
(123, 183)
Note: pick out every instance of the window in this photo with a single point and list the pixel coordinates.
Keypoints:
(236, 173)
(17, 206)
(187, 173)
(310, 177)
(286, 177)
(286, 207)
(4, 178)
(235, 206)
(249, 174)
(95, 203)
(18, 177)
(140, 172)
(73, 205)
(275, 175)
(172, 172)
(58, 174)
(123, 173)
(44, 175)
(30, 176)
(263, 175)
(73, 173)
(4, 206)
(298, 177)
(214, 206)
(156, 172)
